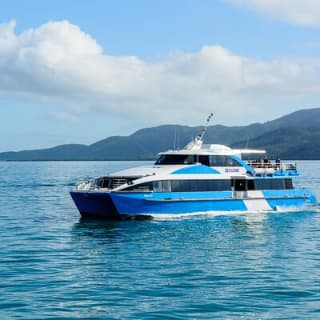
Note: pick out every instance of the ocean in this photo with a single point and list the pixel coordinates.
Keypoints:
(55, 265)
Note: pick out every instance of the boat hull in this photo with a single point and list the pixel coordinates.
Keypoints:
(117, 205)
(95, 204)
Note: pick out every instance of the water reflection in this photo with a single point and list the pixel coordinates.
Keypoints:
(111, 231)
(98, 229)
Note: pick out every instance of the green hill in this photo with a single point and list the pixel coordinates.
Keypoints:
(294, 136)
(289, 143)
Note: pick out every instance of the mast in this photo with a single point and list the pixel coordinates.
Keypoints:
(204, 130)
(196, 143)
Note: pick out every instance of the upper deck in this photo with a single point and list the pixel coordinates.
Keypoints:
(217, 155)
(273, 168)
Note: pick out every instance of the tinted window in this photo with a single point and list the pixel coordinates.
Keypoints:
(288, 184)
(273, 184)
(103, 182)
(223, 161)
(204, 160)
(142, 187)
(182, 186)
(162, 186)
(176, 159)
(250, 184)
(200, 185)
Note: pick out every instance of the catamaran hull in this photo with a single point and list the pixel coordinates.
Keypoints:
(95, 204)
(117, 205)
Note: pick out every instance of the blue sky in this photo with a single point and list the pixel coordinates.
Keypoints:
(79, 71)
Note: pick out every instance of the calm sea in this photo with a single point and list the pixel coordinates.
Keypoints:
(53, 265)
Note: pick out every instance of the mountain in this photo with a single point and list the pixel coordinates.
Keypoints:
(293, 136)
(289, 143)
(65, 152)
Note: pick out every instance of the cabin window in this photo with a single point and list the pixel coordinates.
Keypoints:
(182, 186)
(250, 184)
(204, 160)
(142, 187)
(210, 185)
(157, 186)
(223, 161)
(162, 186)
(288, 183)
(273, 184)
(212, 160)
(103, 182)
(176, 159)
(200, 185)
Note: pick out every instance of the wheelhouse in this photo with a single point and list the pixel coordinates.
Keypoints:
(207, 160)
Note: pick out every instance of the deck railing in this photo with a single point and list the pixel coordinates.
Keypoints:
(282, 166)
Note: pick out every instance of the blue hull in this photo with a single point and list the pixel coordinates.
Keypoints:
(95, 204)
(117, 205)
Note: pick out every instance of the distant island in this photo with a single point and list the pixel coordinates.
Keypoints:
(294, 136)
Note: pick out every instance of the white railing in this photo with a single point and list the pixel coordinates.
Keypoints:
(282, 166)
(105, 183)
(86, 185)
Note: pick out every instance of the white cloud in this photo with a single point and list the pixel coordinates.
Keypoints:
(306, 12)
(60, 63)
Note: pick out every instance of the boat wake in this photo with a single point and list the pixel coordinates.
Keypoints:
(210, 214)
(315, 208)
(170, 216)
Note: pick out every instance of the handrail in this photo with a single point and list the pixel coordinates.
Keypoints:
(283, 166)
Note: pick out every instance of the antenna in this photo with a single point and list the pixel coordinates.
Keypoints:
(196, 143)
(247, 143)
(175, 138)
(204, 130)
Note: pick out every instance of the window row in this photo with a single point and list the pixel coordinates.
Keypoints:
(273, 184)
(212, 185)
(208, 160)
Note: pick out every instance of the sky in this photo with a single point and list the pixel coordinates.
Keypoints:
(80, 71)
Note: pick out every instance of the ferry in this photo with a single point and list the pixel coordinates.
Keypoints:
(200, 178)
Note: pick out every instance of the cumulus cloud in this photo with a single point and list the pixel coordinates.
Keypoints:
(299, 12)
(58, 62)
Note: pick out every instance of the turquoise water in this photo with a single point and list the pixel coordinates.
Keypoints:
(53, 265)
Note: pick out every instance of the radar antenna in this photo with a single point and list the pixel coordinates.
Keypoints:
(204, 130)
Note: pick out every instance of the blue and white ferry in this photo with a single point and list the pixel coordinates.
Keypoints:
(200, 178)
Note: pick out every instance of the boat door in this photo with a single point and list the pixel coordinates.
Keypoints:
(239, 187)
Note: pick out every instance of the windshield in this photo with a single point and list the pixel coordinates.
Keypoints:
(176, 159)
